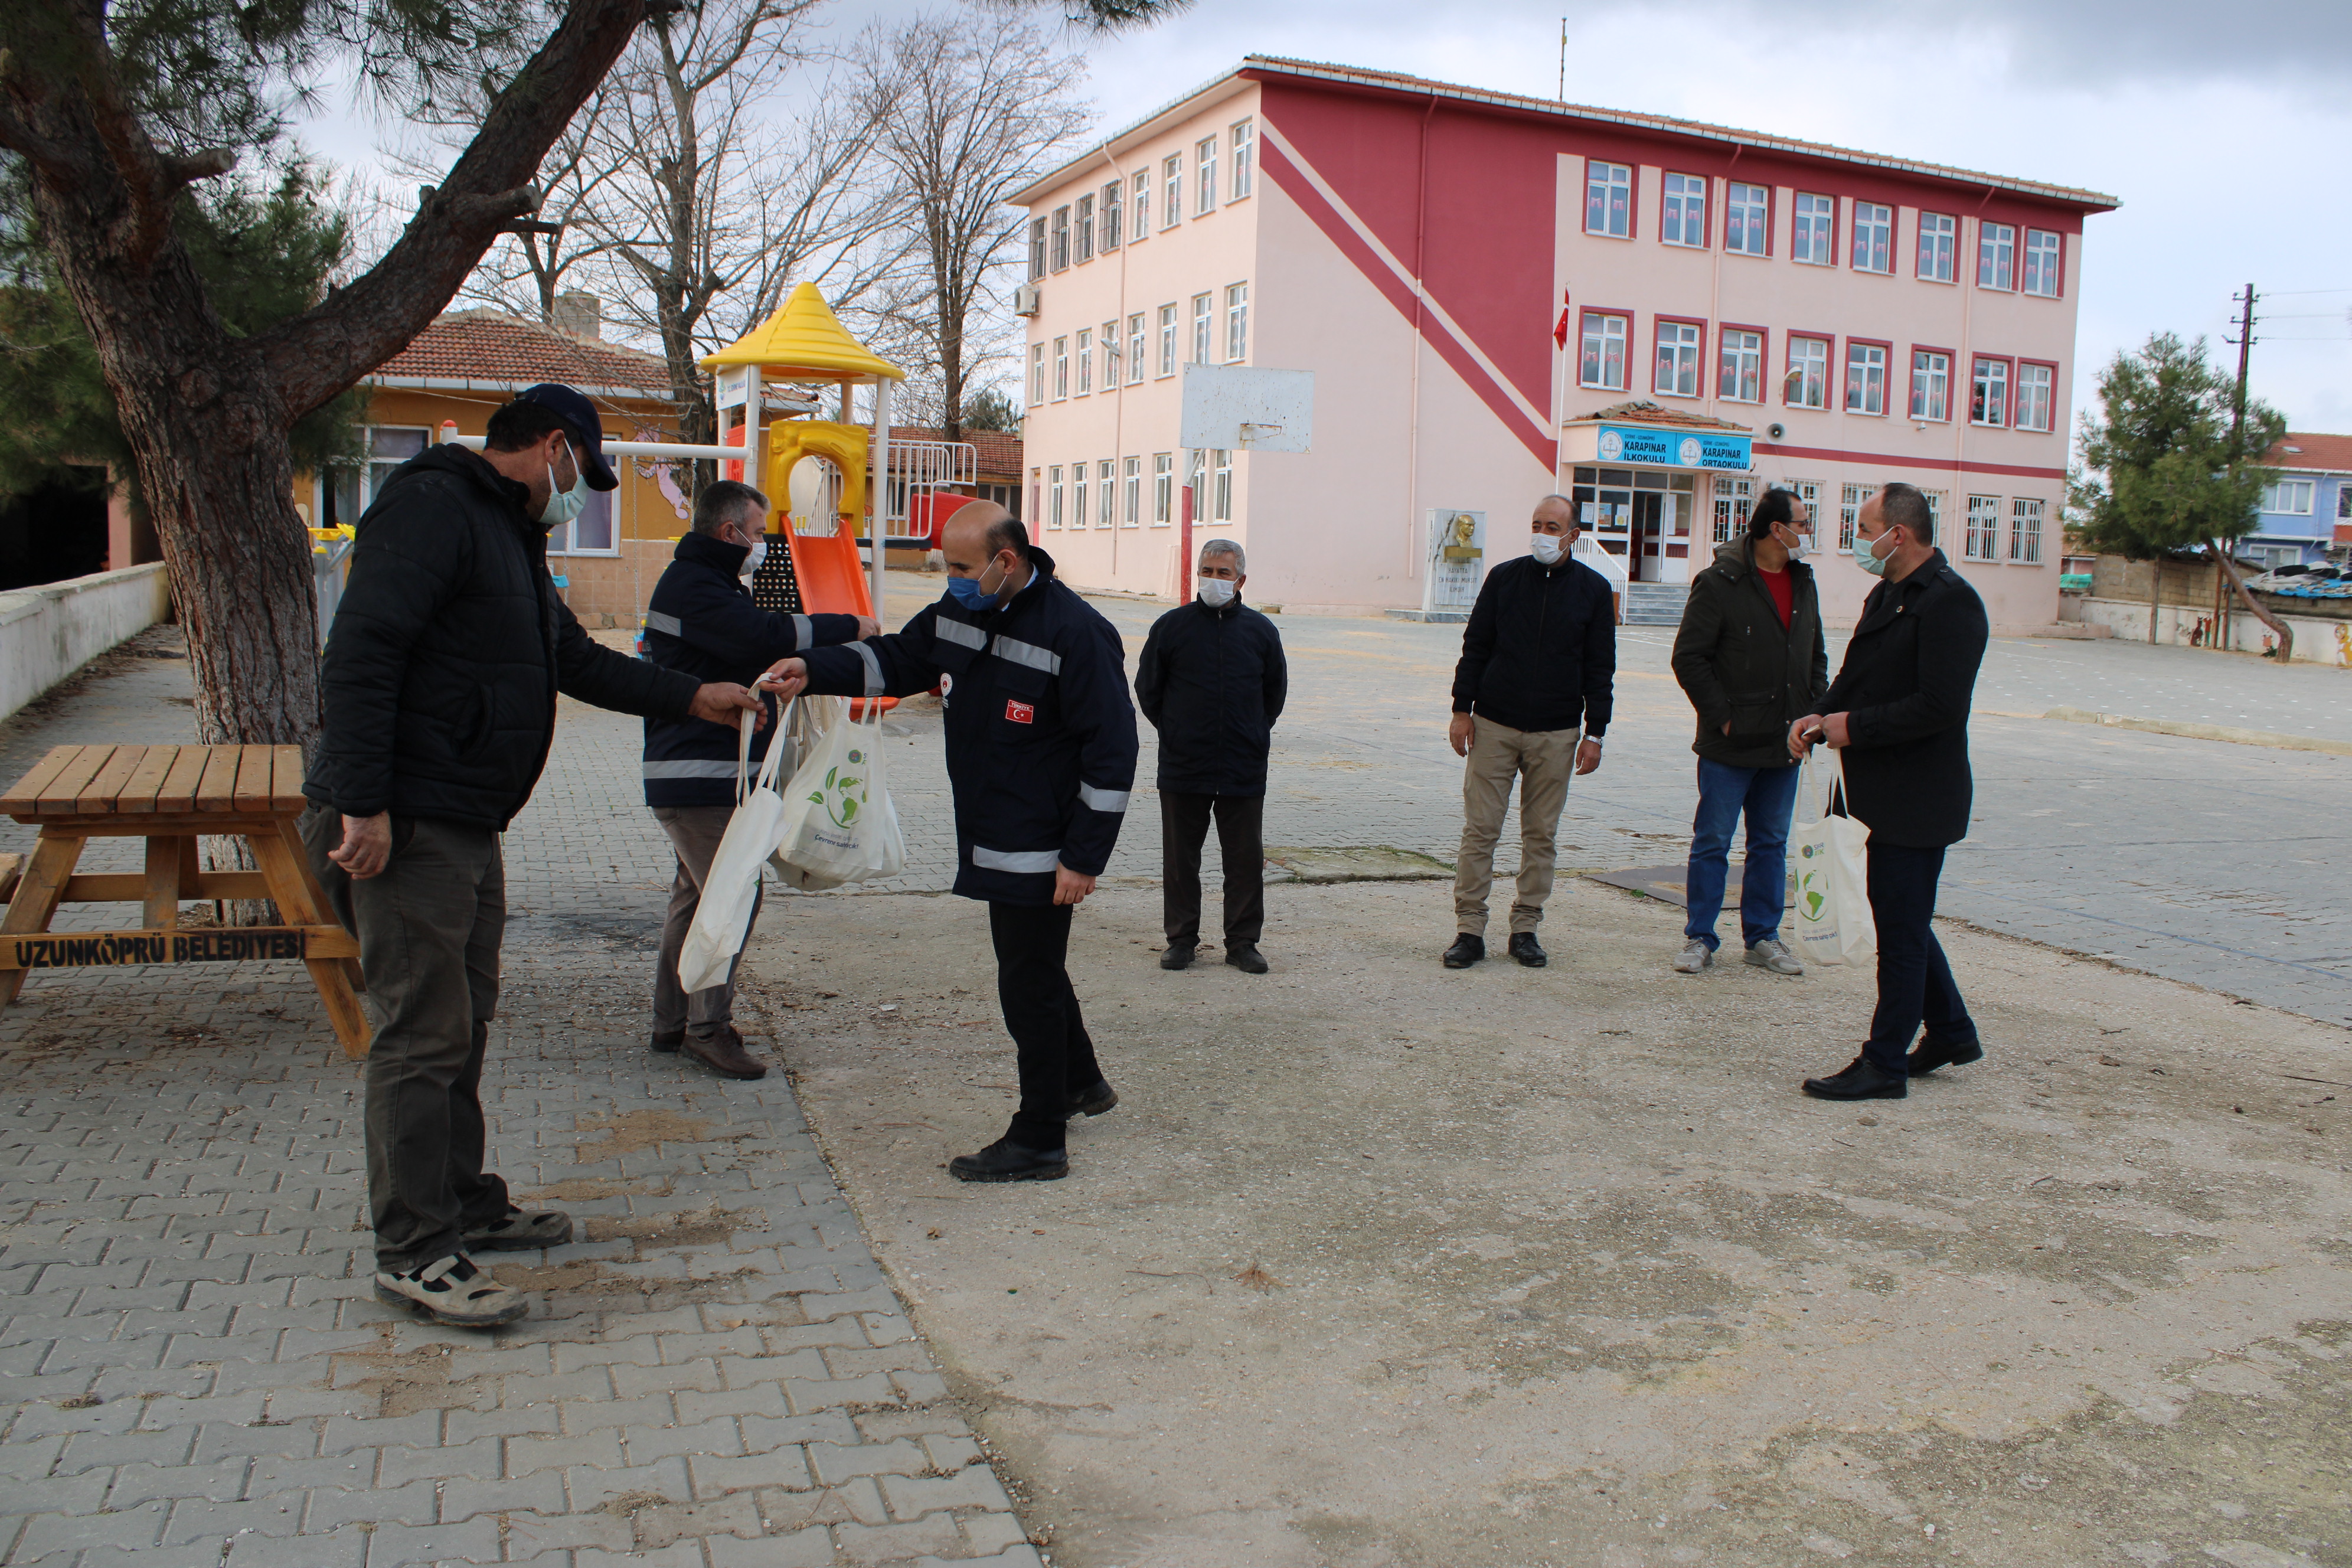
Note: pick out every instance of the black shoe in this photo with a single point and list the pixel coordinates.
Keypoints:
(1527, 951)
(1928, 1055)
(1861, 1080)
(668, 1045)
(1246, 957)
(1467, 950)
(1091, 1102)
(1005, 1161)
(1178, 956)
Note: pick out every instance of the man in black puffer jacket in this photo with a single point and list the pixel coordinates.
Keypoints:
(441, 677)
(1538, 665)
(701, 621)
(1211, 680)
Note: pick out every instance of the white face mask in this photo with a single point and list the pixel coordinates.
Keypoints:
(759, 552)
(563, 505)
(1547, 548)
(1797, 550)
(1218, 591)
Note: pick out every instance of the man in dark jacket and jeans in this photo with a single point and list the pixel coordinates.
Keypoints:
(1898, 713)
(1211, 680)
(701, 621)
(1532, 700)
(440, 678)
(1751, 656)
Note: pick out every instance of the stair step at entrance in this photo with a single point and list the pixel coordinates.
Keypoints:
(1655, 604)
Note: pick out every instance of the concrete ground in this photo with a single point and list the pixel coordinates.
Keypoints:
(1381, 1265)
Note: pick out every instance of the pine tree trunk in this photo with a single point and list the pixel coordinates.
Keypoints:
(2285, 633)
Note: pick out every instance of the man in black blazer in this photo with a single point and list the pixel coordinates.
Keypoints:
(1898, 713)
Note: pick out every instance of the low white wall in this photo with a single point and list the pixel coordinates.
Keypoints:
(47, 633)
(2317, 640)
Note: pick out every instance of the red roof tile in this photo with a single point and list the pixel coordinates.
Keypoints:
(1645, 413)
(492, 350)
(2328, 454)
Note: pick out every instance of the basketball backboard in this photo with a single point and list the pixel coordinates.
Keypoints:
(1233, 407)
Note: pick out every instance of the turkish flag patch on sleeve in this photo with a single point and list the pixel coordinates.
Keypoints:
(1020, 712)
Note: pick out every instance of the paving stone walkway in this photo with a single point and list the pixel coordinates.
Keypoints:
(718, 1375)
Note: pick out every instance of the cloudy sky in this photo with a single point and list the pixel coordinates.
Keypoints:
(2221, 129)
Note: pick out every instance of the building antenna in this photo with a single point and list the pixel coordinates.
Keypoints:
(1563, 59)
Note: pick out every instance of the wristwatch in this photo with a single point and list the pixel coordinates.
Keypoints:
(1594, 739)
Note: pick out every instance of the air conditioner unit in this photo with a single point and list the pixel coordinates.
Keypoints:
(1024, 299)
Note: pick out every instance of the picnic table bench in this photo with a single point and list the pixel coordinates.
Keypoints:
(171, 795)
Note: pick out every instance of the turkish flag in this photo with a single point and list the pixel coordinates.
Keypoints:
(1559, 327)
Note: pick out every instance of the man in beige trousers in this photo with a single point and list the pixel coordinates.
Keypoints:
(1532, 700)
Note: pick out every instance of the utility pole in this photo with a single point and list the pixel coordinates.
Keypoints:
(2246, 345)
(1563, 59)
(2222, 569)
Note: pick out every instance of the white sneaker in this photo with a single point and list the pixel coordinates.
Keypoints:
(1773, 953)
(1694, 956)
(454, 1291)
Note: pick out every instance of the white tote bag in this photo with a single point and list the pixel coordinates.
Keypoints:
(723, 919)
(1830, 855)
(839, 824)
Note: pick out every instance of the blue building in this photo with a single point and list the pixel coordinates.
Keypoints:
(2309, 508)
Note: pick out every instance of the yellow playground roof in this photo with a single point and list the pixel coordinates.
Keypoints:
(804, 342)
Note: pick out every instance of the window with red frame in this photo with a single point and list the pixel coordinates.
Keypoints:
(1740, 376)
(1677, 367)
(1812, 232)
(1748, 218)
(1602, 359)
(1989, 393)
(1807, 382)
(1683, 210)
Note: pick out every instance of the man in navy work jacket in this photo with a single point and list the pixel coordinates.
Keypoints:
(1898, 714)
(1211, 679)
(440, 681)
(701, 621)
(1532, 700)
(1040, 756)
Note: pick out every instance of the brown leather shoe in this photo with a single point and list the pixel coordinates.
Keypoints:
(724, 1052)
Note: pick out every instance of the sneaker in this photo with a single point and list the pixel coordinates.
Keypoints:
(452, 1290)
(1773, 953)
(1694, 956)
(723, 1053)
(1005, 1161)
(521, 1230)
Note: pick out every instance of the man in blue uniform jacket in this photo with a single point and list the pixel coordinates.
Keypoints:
(701, 622)
(1041, 755)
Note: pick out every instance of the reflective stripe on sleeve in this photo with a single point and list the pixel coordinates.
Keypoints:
(958, 632)
(803, 631)
(874, 682)
(657, 622)
(1110, 800)
(689, 769)
(1015, 860)
(1030, 654)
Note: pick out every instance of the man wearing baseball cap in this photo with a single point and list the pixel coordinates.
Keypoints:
(440, 678)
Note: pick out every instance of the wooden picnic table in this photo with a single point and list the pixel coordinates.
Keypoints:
(171, 795)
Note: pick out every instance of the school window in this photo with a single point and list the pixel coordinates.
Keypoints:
(1112, 212)
(1733, 497)
(1061, 239)
(1037, 248)
(1201, 328)
(1085, 361)
(2034, 395)
(1989, 393)
(1812, 233)
(1061, 368)
(1608, 199)
(1807, 384)
(1682, 212)
(1935, 499)
(1602, 362)
(1810, 492)
(1172, 204)
(1109, 341)
(1036, 374)
(1077, 495)
(1222, 491)
(1873, 238)
(1236, 321)
(1037, 493)
(1143, 205)
(1850, 499)
(1931, 384)
(1939, 236)
(1984, 528)
(1135, 348)
(1997, 255)
(1865, 378)
(2041, 262)
(1748, 218)
(1741, 368)
(1168, 340)
(1677, 371)
(1163, 488)
(1245, 157)
(1053, 496)
(1196, 482)
(1086, 228)
(1130, 491)
(2025, 532)
(2290, 497)
(1107, 495)
(1205, 156)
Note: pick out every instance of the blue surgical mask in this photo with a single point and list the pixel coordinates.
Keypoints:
(563, 505)
(1870, 560)
(973, 593)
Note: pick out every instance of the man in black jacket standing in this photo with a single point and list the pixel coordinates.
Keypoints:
(440, 677)
(1211, 680)
(701, 622)
(1898, 713)
(1532, 700)
(1751, 656)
